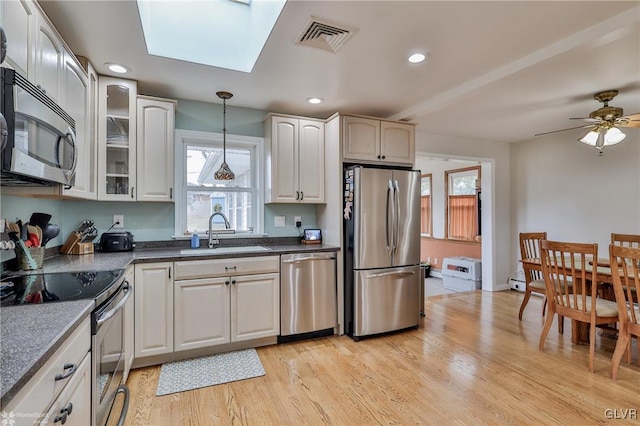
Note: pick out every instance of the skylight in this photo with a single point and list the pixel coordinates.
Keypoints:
(221, 33)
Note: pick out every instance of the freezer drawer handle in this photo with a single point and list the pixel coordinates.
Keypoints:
(386, 274)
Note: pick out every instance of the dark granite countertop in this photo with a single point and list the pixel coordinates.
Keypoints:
(30, 335)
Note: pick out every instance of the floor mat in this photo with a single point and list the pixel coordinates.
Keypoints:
(180, 376)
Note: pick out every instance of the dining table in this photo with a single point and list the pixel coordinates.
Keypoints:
(579, 329)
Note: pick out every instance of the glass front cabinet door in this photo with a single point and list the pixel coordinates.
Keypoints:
(117, 139)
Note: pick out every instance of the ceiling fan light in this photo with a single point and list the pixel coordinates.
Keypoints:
(613, 136)
(590, 138)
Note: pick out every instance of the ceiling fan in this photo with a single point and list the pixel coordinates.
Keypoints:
(604, 123)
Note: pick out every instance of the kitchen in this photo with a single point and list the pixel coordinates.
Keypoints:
(516, 204)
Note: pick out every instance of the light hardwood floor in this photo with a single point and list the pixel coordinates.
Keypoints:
(470, 362)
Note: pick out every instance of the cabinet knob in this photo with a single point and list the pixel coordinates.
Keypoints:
(379, 157)
(383, 157)
(233, 282)
(64, 413)
(226, 283)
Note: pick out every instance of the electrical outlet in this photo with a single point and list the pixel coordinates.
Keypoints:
(435, 260)
(118, 221)
(298, 221)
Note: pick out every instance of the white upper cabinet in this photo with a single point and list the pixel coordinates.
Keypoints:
(375, 141)
(295, 160)
(19, 23)
(75, 101)
(155, 140)
(49, 59)
(117, 139)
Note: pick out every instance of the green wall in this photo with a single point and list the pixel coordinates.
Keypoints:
(155, 221)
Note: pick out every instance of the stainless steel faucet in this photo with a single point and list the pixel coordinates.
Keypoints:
(227, 225)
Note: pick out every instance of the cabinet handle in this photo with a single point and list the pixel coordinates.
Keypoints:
(171, 193)
(132, 192)
(72, 369)
(226, 268)
(169, 271)
(66, 411)
(233, 282)
(297, 195)
(226, 282)
(301, 195)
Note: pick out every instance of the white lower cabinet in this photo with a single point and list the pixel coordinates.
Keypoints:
(201, 313)
(153, 309)
(225, 301)
(129, 321)
(73, 406)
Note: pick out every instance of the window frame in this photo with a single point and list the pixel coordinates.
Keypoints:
(430, 177)
(184, 138)
(447, 174)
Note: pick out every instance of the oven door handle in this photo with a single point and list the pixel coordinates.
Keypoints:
(123, 389)
(107, 315)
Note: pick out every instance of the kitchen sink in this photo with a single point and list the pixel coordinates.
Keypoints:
(225, 250)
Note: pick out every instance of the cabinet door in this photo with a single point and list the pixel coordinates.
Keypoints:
(284, 160)
(397, 143)
(18, 22)
(361, 139)
(73, 406)
(311, 161)
(75, 103)
(153, 309)
(255, 306)
(117, 139)
(49, 59)
(129, 331)
(155, 150)
(201, 313)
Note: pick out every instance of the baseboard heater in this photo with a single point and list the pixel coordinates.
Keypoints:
(519, 285)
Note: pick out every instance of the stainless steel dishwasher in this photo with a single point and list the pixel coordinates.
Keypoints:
(307, 296)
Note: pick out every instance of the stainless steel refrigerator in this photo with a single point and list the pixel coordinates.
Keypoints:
(382, 250)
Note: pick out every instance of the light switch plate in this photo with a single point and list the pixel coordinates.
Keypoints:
(279, 221)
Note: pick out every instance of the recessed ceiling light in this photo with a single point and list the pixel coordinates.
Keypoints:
(117, 68)
(416, 58)
(314, 100)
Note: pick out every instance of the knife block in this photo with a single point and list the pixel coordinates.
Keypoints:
(82, 248)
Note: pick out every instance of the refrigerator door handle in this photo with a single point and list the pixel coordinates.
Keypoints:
(396, 202)
(387, 274)
(389, 216)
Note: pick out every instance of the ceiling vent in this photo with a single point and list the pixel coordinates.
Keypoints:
(324, 35)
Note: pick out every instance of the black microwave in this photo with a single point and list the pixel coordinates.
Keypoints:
(38, 136)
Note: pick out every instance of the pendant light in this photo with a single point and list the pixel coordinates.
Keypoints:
(224, 172)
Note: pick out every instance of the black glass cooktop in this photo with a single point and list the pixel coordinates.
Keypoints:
(59, 287)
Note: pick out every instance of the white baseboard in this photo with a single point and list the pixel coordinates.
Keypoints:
(436, 273)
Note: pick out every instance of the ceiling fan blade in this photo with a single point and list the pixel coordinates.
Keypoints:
(564, 130)
(589, 119)
(631, 120)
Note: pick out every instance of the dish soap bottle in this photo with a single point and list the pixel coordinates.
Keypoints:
(195, 239)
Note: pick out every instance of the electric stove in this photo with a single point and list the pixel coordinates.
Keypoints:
(59, 287)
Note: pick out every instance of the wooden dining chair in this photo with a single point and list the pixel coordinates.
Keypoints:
(568, 277)
(626, 286)
(530, 249)
(625, 240)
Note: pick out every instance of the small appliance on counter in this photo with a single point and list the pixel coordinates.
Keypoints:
(117, 241)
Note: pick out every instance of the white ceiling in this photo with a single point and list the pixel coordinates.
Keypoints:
(499, 70)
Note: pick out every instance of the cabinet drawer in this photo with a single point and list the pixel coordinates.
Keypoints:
(226, 267)
(38, 394)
